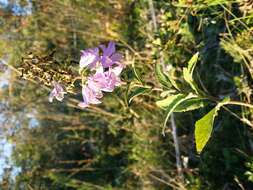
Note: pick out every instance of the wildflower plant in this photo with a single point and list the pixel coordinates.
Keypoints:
(194, 99)
(102, 71)
(99, 72)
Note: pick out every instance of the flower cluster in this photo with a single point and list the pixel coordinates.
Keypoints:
(105, 69)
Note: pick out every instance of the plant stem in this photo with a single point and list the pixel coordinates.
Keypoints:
(244, 120)
(176, 144)
(240, 104)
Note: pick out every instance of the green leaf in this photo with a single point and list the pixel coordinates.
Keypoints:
(171, 76)
(191, 104)
(192, 63)
(170, 104)
(204, 126)
(203, 129)
(165, 93)
(162, 78)
(137, 92)
(167, 102)
(188, 73)
(136, 74)
(188, 78)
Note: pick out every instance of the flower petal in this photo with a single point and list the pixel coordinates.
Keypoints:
(59, 96)
(118, 69)
(116, 57)
(51, 96)
(89, 58)
(57, 92)
(89, 96)
(106, 61)
(110, 49)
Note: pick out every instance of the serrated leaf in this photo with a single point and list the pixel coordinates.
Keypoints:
(137, 92)
(204, 126)
(162, 78)
(191, 104)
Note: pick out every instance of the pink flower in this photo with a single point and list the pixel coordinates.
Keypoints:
(100, 81)
(107, 75)
(109, 57)
(89, 58)
(57, 92)
(90, 97)
(106, 81)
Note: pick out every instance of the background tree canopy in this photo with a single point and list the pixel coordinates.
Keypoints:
(119, 144)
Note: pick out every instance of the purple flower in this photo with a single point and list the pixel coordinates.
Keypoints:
(106, 78)
(109, 57)
(90, 97)
(112, 81)
(89, 58)
(105, 81)
(118, 69)
(100, 81)
(57, 92)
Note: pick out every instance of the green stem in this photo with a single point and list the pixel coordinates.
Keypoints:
(240, 104)
(244, 120)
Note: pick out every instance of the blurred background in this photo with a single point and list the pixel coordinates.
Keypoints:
(119, 145)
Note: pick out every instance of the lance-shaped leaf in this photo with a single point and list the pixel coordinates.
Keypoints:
(188, 72)
(162, 78)
(167, 102)
(203, 129)
(192, 63)
(170, 103)
(191, 104)
(137, 92)
(204, 126)
(136, 73)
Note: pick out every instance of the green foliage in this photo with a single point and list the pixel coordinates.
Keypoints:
(188, 72)
(118, 144)
(137, 92)
(204, 126)
(162, 78)
(171, 103)
(249, 173)
(190, 105)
